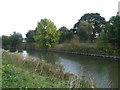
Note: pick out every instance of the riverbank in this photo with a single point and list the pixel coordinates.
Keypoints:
(89, 51)
(14, 77)
(18, 72)
(87, 54)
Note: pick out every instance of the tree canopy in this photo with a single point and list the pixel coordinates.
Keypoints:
(15, 39)
(46, 34)
(110, 36)
(84, 30)
(95, 20)
(12, 42)
(30, 36)
(112, 30)
(5, 41)
(65, 34)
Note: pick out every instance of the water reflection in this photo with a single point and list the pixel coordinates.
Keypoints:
(102, 72)
(49, 57)
(24, 54)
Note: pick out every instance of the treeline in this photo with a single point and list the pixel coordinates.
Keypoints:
(91, 27)
(87, 28)
(12, 42)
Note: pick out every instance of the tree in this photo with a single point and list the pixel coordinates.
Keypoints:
(12, 42)
(15, 39)
(109, 38)
(5, 42)
(84, 30)
(46, 34)
(102, 40)
(30, 36)
(95, 20)
(0, 41)
(112, 30)
(82, 34)
(65, 34)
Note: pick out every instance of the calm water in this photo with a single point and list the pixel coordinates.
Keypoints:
(102, 72)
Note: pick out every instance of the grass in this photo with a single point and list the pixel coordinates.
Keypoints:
(16, 78)
(86, 47)
(75, 46)
(31, 73)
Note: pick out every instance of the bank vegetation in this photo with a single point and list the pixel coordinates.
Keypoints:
(19, 72)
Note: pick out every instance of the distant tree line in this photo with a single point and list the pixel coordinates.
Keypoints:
(12, 42)
(91, 27)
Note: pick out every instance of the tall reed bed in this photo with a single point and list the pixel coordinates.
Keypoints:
(42, 68)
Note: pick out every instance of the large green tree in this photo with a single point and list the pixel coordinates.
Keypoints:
(112, 31)
(15, 39)
(66, 34)
(5, 42)
(0, 41)
(12, 42)
(95, 20)
(46, 34)
(110, 36)
(84, 30)
(30, 36)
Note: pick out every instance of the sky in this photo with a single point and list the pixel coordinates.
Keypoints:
(23, 15)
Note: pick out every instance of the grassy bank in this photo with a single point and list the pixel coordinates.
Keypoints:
(87, 47)
(31, 73)
(14, 77)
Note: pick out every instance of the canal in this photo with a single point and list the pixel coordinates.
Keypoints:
(100, 71)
